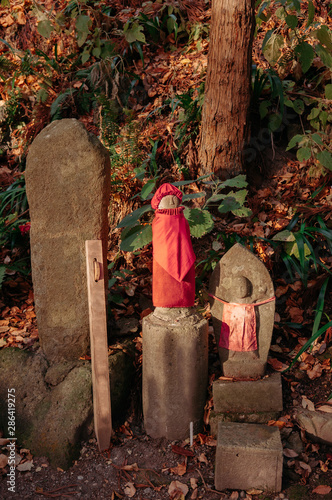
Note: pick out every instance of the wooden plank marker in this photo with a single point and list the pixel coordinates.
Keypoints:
(99, 347)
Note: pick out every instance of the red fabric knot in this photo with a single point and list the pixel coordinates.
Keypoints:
(165, 190)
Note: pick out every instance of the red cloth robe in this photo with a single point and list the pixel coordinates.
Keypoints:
(173, 276)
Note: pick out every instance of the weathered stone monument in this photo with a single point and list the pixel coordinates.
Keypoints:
(68, 188)
(175, 337)
(242, 308)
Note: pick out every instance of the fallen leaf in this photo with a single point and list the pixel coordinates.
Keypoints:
(254, 492)
(276, 364)
(4, 441)
(177, 490)
(193, 483)
(290, 453)
(324, 467)
(194, 495)
(296, 314)
(180, 469)
(234, 495)
(133, 467)
(322, 489)
(305, 466)
(306, 403)
(182, 451)
(129, 489)
(315, 372)
(25, 466)
(325, 408)
(202, 458)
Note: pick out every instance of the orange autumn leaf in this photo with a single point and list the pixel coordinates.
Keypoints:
(322, 489)
(180, 469)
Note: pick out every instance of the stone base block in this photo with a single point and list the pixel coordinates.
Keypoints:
(259, 396)
(231, 416)
(175, 372)
(248, 456)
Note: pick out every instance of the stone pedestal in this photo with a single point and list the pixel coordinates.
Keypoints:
(175, 372)
(248, 456)
(251, 401)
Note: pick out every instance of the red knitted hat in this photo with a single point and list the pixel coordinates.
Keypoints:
(165, 190)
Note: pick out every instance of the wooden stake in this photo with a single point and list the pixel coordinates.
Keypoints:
(99, 346)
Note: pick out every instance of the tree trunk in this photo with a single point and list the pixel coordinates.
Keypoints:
(227, 92)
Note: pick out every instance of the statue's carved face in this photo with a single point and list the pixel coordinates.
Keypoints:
(169, 201)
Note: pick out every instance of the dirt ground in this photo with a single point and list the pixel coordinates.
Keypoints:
(139, 467)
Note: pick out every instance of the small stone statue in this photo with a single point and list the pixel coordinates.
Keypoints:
(173, 281)
(242, 308)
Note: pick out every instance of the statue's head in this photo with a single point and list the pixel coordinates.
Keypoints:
(242, 286)
(166, 196)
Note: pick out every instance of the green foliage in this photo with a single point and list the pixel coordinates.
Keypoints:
(302, 43)
(302, 248)
(231, 201)
(137, 233)
(316, 145)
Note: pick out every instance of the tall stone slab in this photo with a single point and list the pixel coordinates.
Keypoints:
(237, 267)
(68, 189)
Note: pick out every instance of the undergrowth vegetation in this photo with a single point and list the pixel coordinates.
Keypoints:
(117, 68)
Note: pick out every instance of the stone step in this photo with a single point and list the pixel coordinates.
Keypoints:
(251, 396)
(248, 456)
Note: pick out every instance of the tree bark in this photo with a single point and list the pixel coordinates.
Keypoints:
(228, 83)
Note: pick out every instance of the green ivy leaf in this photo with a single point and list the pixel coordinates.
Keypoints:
(229, 204)
(323, 116)
(313, 113)
(85, 56)
(324, 36)
(294, 141)
(325, 56)
(311, 13)
(136, 238)
(200, 221)
(133, 218)
(82, 24)
(272, 48)
(45, 28)
(264, 108)
(275, 121)
(303, 154)
(291, 21)
(239, 181)
(298, 106)
(306, 55)
(317, 138)
(325, 158)
(2, 274)
(147, 189)
(107, 49)
(134, 33)
(242, 212)
(285, 235)
(328, 91)
(192, 196)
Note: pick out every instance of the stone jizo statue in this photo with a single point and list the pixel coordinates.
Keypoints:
(242, 308)
(173, 282)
